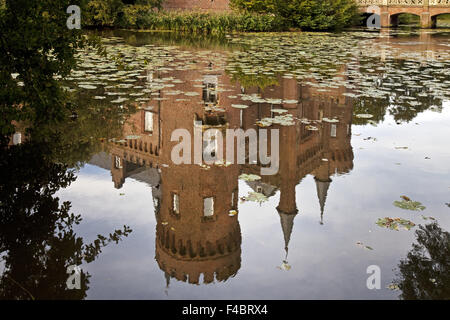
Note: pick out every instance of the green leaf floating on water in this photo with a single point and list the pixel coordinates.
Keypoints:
(408, 204)
(255, 197)
(395, 223)
(249, 177)
(359, 243)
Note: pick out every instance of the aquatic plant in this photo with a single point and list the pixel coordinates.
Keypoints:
(395, 223)
(255, 197)
(408, 204)
(141, 17)
(249, 177)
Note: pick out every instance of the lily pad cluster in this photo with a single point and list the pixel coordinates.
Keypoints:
(283, 120)
(255, 197)
(395, 223)
(408, 204)
(403, 78)
(249, 177)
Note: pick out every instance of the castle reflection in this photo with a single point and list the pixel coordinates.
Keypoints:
(195, 234)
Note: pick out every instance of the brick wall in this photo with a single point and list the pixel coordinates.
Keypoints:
(206, 5)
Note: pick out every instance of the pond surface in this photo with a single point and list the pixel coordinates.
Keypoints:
(364, 127)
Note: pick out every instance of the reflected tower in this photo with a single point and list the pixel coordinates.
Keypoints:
(196, 237)
(195, 234)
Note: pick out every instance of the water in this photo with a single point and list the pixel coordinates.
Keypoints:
(365, 121)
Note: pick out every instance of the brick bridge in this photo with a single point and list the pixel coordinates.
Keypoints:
(389, 10)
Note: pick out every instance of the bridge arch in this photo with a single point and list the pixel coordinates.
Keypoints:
(395, 19)
(437, 16)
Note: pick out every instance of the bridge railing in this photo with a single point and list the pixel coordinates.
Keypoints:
(442, 3)
(403, 3)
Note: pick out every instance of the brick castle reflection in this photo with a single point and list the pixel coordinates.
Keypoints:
(195, 235)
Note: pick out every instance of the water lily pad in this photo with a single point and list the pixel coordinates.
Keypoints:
(239, 106)
(87, 86)
(119, 100)
(192, 94)
(255, 197)
(364, 116)
(395, 223)
(408, 204)
(359, 243)
(279, 110)
(249, 177)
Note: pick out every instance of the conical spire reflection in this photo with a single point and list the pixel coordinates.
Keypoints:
(322, 191)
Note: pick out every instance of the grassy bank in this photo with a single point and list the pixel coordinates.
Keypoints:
(198, 22)
(143, 17)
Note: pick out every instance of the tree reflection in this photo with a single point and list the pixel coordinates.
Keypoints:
(37, 240)
(425, 273)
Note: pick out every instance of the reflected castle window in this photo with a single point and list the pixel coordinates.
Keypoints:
(156, 203)
(118, 162)
(210, 84)
(208, 207)
(234, 195)
(175, 203)
(210, 147)
(148, 121)
(333, 130)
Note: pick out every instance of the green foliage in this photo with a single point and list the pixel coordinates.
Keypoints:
(37, 50)
(251, 16)
(255, 5)
(103, 12)
(425, 272)
(305, 14)
(134, 16)
(251, 80)
(141, 17)
(110, 12)
(408, 19)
